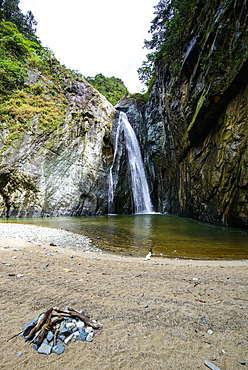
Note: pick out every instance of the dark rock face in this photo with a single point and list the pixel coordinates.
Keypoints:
(64, 171)
(193, 130)
(192, 133)
(196, 123)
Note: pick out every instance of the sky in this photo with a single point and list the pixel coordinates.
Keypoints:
(96, 36)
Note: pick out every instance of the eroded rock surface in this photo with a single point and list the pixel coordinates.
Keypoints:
(61, 171)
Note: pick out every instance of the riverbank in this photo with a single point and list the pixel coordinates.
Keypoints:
(156, 314)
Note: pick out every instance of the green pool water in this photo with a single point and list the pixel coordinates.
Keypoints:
(164, 235)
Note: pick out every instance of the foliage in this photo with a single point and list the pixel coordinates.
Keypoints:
(169, 29)
(21, 98)
(112, 88)
(15, 51)
(10, 11)
(147, 71)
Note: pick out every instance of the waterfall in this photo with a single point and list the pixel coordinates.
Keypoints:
(139, 186)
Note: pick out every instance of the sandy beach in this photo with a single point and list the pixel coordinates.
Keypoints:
(156, 314)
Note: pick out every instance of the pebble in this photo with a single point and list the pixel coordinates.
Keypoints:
(28, 324)
(80, 324)
(45, 349)
(210, 331)
(70, 330)
(88, 329)
(82, 335)
(70, 325)
(71, 338)
(49, 336)
(58, 348)
(211, 365)
(89, 337)
(44, 235)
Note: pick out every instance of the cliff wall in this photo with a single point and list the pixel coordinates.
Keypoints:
(59, 167)
(196, 122)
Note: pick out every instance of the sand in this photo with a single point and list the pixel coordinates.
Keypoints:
(156, 314)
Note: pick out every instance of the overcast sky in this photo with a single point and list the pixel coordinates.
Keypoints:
(96, 36)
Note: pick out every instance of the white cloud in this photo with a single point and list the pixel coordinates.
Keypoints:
(95, 36)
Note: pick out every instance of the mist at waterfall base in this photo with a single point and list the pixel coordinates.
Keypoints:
(165, 235)
(139, 186)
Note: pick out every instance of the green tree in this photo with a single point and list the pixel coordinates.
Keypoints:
(10, 11)
(170, 27)
(112, 88)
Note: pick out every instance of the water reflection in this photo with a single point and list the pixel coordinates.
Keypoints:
(166, 235)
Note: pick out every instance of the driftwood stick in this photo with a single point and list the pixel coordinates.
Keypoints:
(28, 329)
(74, 313)
(55, 337)
(14, 336)
(59, 319)
(40, 323)
(46, 327)
(24, 332)
(61, 314)
(84, 318)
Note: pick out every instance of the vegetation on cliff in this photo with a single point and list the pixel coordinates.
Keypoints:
(10, 12)
(33, 84)
(178, 22)
(29, 84)
(112, 88)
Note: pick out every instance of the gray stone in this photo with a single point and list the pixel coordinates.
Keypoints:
(58, 348)
(82, 335)
(49, 336)
(89, 337)
(45, 349)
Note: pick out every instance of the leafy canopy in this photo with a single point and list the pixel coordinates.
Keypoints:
(112, 88)
(10, 11)
(169, 29)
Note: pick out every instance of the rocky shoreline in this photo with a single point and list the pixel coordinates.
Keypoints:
(47, 236)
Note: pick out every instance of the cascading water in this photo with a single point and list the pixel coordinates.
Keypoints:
(140, 190)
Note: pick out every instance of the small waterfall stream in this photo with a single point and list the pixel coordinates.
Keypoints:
(139, 185)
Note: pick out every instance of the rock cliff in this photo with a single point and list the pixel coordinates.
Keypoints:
(56, 168)
(194, 127)
(56, 139)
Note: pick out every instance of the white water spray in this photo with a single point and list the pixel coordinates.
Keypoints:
(140, 190)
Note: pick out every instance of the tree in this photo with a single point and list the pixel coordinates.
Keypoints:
(112, 88)
(172, 22)
(10, 11)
